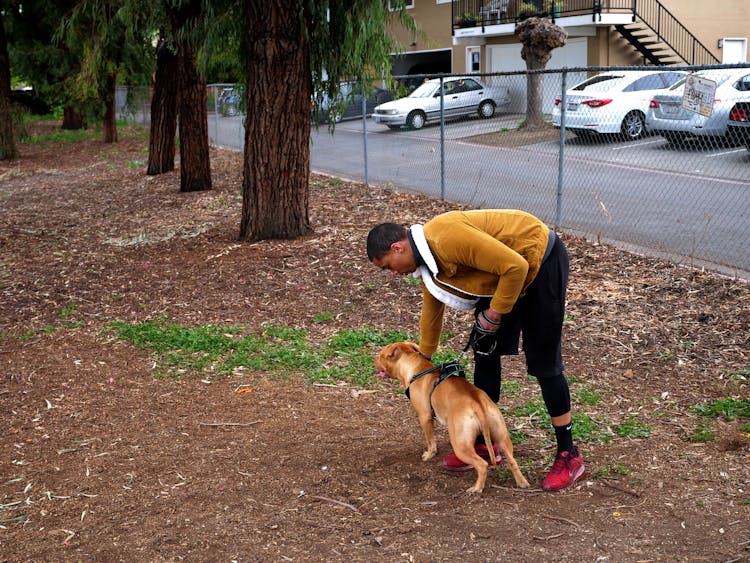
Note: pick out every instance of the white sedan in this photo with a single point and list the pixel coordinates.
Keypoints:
(613, 102)
(463, 96)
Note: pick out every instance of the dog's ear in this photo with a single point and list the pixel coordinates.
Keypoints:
(414, 348)
(394, 353)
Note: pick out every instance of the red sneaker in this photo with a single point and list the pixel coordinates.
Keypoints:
(566, 470)
(452, 463)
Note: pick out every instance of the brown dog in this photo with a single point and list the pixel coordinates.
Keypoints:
(466, 410)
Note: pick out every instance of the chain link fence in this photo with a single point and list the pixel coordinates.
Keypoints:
(619, 160)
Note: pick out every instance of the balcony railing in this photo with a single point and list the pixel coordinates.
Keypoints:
(481, 13)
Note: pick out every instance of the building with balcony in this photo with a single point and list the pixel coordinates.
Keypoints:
(477, 36)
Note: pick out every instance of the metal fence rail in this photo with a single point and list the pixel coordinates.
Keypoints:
(687, 201)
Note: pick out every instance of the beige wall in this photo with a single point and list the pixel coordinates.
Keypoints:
(708, 21)
(711, 20)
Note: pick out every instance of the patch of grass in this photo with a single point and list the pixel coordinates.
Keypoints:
(212, 350)
(325, 317)
(62, 136)
(611, 471)
(728, 408)
(511, 389)
(702, 433)
(586, 429)
(632, 428)
(588, 397)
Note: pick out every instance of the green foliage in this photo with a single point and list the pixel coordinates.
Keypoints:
(611, 471)
(728, 409)
(588, 397)
(352, 40)
(702, 433)
(212, 350)
(631, 428)
(586, 429)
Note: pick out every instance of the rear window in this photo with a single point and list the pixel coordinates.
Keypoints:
(599, 83)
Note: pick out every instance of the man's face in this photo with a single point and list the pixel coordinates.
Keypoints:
(398, 261)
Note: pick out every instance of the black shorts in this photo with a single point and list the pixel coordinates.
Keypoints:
(538, 315)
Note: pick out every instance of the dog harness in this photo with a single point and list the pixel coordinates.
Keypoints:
(448, 369)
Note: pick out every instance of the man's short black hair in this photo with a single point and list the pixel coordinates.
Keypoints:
(381, 238)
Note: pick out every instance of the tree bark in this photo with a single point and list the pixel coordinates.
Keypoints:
(8, 146)
(161, 143)
(275, 190)
(73, 118)
(110, 114)
(539, 37)
(195, 164)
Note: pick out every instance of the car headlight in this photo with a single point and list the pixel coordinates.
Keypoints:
(387, 111)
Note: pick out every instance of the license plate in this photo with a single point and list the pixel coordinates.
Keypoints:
(572, 107)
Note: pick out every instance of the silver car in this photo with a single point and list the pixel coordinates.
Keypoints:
(667, 118)
(463, 96)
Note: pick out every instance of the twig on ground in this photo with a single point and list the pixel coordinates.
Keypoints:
(231, 423)
(334, 501)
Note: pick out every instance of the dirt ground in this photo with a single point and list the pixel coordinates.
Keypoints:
(101, 461)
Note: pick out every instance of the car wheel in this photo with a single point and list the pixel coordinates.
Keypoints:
(633, 126)
(486, 109)
(416, 119)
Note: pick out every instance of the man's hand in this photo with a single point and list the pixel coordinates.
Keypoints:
(482, 338)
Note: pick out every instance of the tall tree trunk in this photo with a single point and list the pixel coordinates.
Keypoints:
(195, 163)
(8, 147)
(539, 37)
(73, 118)
(161, 143)
(275, 190)
(110, 115)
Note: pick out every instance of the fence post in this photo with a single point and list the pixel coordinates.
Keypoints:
(561, 153)
(364, 131)
(442, 141)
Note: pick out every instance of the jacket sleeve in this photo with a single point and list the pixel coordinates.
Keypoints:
(430, 323)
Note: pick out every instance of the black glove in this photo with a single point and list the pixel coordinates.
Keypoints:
(481, 340)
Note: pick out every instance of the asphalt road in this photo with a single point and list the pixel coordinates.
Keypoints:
(687, 204)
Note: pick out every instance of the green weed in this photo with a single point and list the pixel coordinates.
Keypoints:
(611, 471)
(280, 350)
(588, 397)
(702, 433)
(728, 409)
(586, 429)
(631, 428)
(325, 317)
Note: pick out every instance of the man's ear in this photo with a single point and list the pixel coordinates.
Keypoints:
(397, 247)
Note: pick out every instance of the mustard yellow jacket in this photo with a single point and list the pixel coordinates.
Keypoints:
(492, 253)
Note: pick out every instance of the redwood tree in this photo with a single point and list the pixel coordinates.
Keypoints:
(8, 147)
(161, 144)
(195, 164)
(292, 49)
(539, 37)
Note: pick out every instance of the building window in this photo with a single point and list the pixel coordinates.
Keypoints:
(408, 3)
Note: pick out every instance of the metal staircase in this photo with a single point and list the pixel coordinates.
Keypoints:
(660, 37)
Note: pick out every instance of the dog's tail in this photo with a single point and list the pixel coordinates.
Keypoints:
(487, 435)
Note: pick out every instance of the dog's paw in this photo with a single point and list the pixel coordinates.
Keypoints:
(474, 490)
(428, 455)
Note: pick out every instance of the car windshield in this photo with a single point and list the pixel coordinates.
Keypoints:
(424, 91)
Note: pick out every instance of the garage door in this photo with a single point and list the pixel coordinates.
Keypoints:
(507, 58)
